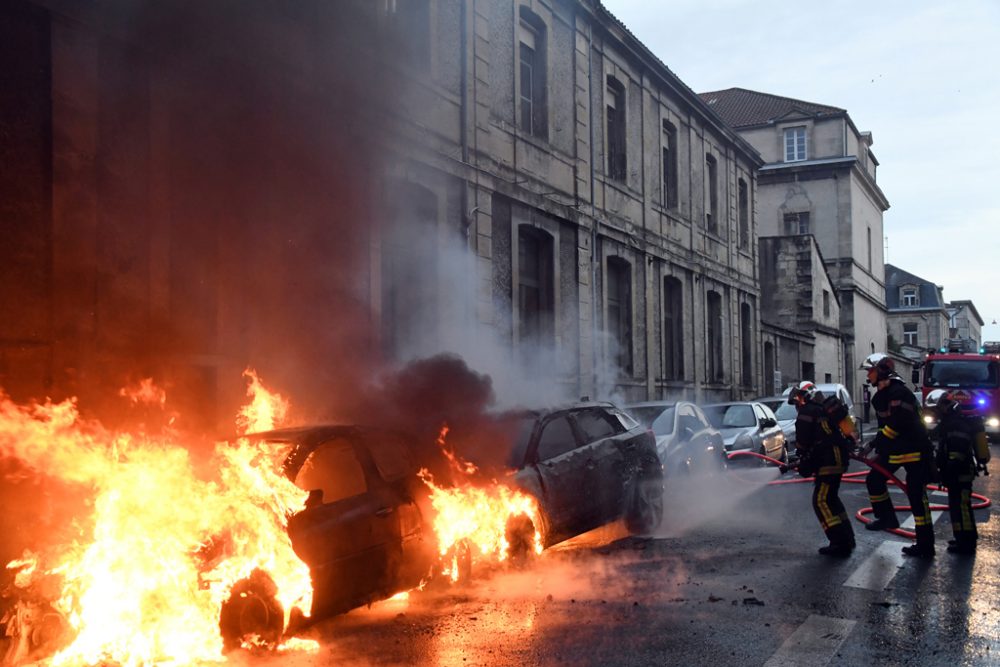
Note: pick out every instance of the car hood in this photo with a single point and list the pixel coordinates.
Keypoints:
(730, 435)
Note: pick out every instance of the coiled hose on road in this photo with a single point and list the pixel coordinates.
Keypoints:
(859, 478)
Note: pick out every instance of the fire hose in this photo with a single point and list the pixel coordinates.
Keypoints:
(858, 478)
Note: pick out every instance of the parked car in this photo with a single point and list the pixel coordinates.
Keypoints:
(685, 440)
(587, 464)
(748, 426)
(838, 390)
(785, 413)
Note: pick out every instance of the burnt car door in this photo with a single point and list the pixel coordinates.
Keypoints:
(349, 528)
(417, 548)
(606, 444)
(563, 476)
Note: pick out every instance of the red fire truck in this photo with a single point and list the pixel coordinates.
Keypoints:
(974, 377)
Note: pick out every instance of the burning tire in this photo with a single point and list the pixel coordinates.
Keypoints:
(252, 617)
(645, 507)
(520, 535)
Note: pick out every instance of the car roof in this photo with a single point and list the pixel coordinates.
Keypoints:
(562, 407)
(717, 405)
(654, 404)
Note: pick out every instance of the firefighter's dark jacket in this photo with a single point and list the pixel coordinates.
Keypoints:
(962, 441)
(809, 422)
(901, 428)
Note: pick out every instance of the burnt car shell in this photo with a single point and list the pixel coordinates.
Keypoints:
(361, 533)
(586, 464)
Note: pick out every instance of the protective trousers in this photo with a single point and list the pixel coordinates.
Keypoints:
(916, 490)
(958, 476)
(826, 501)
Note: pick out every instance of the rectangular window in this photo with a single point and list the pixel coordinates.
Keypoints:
(910, 297)
(615, 140)
(746, 345)
(673, 329)
(669, 166)
(711, 194)
(535, 307)
(826, 304)
(714, 334)
(744, 213)
(797, 223)
(620, 310)
(910, 334)
(869, 248)
(795, 144)
(532, 117)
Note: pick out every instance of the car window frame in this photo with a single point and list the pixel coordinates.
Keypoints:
(583, 437)
(359, 457)
(546, 422)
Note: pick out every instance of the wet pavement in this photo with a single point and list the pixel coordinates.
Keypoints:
(731, 578)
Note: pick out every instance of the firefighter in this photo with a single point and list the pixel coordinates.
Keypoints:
(901, 442)
(823, 450)
(962, 451)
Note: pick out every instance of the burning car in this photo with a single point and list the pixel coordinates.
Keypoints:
(587, 464)
(362, 532)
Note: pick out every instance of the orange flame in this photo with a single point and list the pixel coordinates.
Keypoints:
(476, 515)
(136, 588)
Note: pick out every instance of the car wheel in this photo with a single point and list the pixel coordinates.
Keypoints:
(645, 511)
(520, 534)
(252, 617)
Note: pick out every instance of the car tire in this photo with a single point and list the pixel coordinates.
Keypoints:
(645, 509)
(252, 615)
(520, 535)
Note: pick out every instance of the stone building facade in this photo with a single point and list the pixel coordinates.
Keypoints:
(611, 213)
(820, 179)
(285, 192)
(797, 292)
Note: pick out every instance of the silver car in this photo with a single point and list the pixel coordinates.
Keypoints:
(748, 426)
(785, 413)
(685, 440)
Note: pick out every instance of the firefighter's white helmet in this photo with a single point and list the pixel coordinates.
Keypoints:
(803, 392)
(871, 360)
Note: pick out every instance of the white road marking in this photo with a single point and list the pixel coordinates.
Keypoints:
(910, 524)
(879, 568)
(813, 643)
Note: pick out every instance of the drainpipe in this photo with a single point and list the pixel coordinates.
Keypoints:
(593, 216)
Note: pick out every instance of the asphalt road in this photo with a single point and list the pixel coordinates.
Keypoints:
(731, 578)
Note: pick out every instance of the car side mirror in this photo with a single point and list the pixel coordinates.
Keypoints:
(767, 422)
(915, 376)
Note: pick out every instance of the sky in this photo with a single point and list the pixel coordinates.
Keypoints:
(922, 76)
